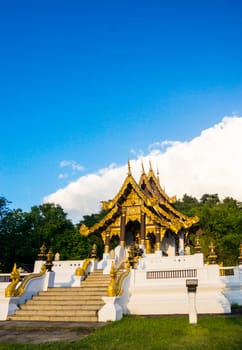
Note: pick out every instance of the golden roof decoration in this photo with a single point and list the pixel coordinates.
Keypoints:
(149, 197)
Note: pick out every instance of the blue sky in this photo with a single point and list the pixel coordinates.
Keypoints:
(84, 84)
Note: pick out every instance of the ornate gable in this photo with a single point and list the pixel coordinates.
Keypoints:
(136, 199)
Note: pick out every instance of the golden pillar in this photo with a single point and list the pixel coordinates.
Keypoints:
(142, 229)
(157, 239)
(122, 226)
(147, 245)
(107, 242)
(162, 235)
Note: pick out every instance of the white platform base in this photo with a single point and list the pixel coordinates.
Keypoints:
(111, 311)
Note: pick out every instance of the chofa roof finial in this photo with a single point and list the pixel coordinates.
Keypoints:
(142, 166)
(150, 165)
(129, 168)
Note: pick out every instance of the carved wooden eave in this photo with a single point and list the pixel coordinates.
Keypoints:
(187, 221)
(159, 220)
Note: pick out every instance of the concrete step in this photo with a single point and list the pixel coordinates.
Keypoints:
(64, 297)
(55, 318)
(57, 312)
(69, 307)
(87, 301)
(80, 293)
(85, 286)
(95, 282)
(77, 304)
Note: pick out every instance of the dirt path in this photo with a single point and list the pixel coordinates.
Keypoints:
(42, 332)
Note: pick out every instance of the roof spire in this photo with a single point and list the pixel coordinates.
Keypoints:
(129, 168)
(150, 165)
(143, 169)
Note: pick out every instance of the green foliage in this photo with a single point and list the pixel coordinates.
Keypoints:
(22, 234)
(220, 221)
(90, 220)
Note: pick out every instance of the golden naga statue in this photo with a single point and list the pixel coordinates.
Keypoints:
(112, 285)
(82, 271)
(10, 290)
(116, 282)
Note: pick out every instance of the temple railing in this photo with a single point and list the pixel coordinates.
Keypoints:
(16, 288)
(5, 277)
(226, 271)
(188, 273)
(117, 278)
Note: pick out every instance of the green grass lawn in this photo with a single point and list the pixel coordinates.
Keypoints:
(147, 333)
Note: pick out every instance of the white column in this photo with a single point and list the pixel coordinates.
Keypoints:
(181, 243)
(192, 307)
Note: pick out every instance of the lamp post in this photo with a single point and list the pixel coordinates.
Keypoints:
(191, 285)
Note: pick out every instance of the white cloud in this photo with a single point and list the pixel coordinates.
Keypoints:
(210, 163)
(71, 163)
(62, 176)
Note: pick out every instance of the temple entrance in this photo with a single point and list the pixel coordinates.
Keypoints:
(132, 233)
(114, 242)
(151, 237)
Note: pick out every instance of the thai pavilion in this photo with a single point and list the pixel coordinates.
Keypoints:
(143, 214)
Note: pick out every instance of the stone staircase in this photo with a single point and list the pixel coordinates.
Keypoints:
(76, 304)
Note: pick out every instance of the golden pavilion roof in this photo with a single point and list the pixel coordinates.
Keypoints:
(146, 196)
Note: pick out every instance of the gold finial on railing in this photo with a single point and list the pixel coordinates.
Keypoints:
(111, 287)
(49, 260)
(240, 254)
(94, 251)
(198, 248)
(212, 256)
(42, 255)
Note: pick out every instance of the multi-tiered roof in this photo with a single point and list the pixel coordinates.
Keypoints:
(147, 197)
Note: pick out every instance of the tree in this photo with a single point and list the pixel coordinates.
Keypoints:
(220, 221)
(3, 207)
(22, 234)
(49, 224)
(89, 221)
(92, 219)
